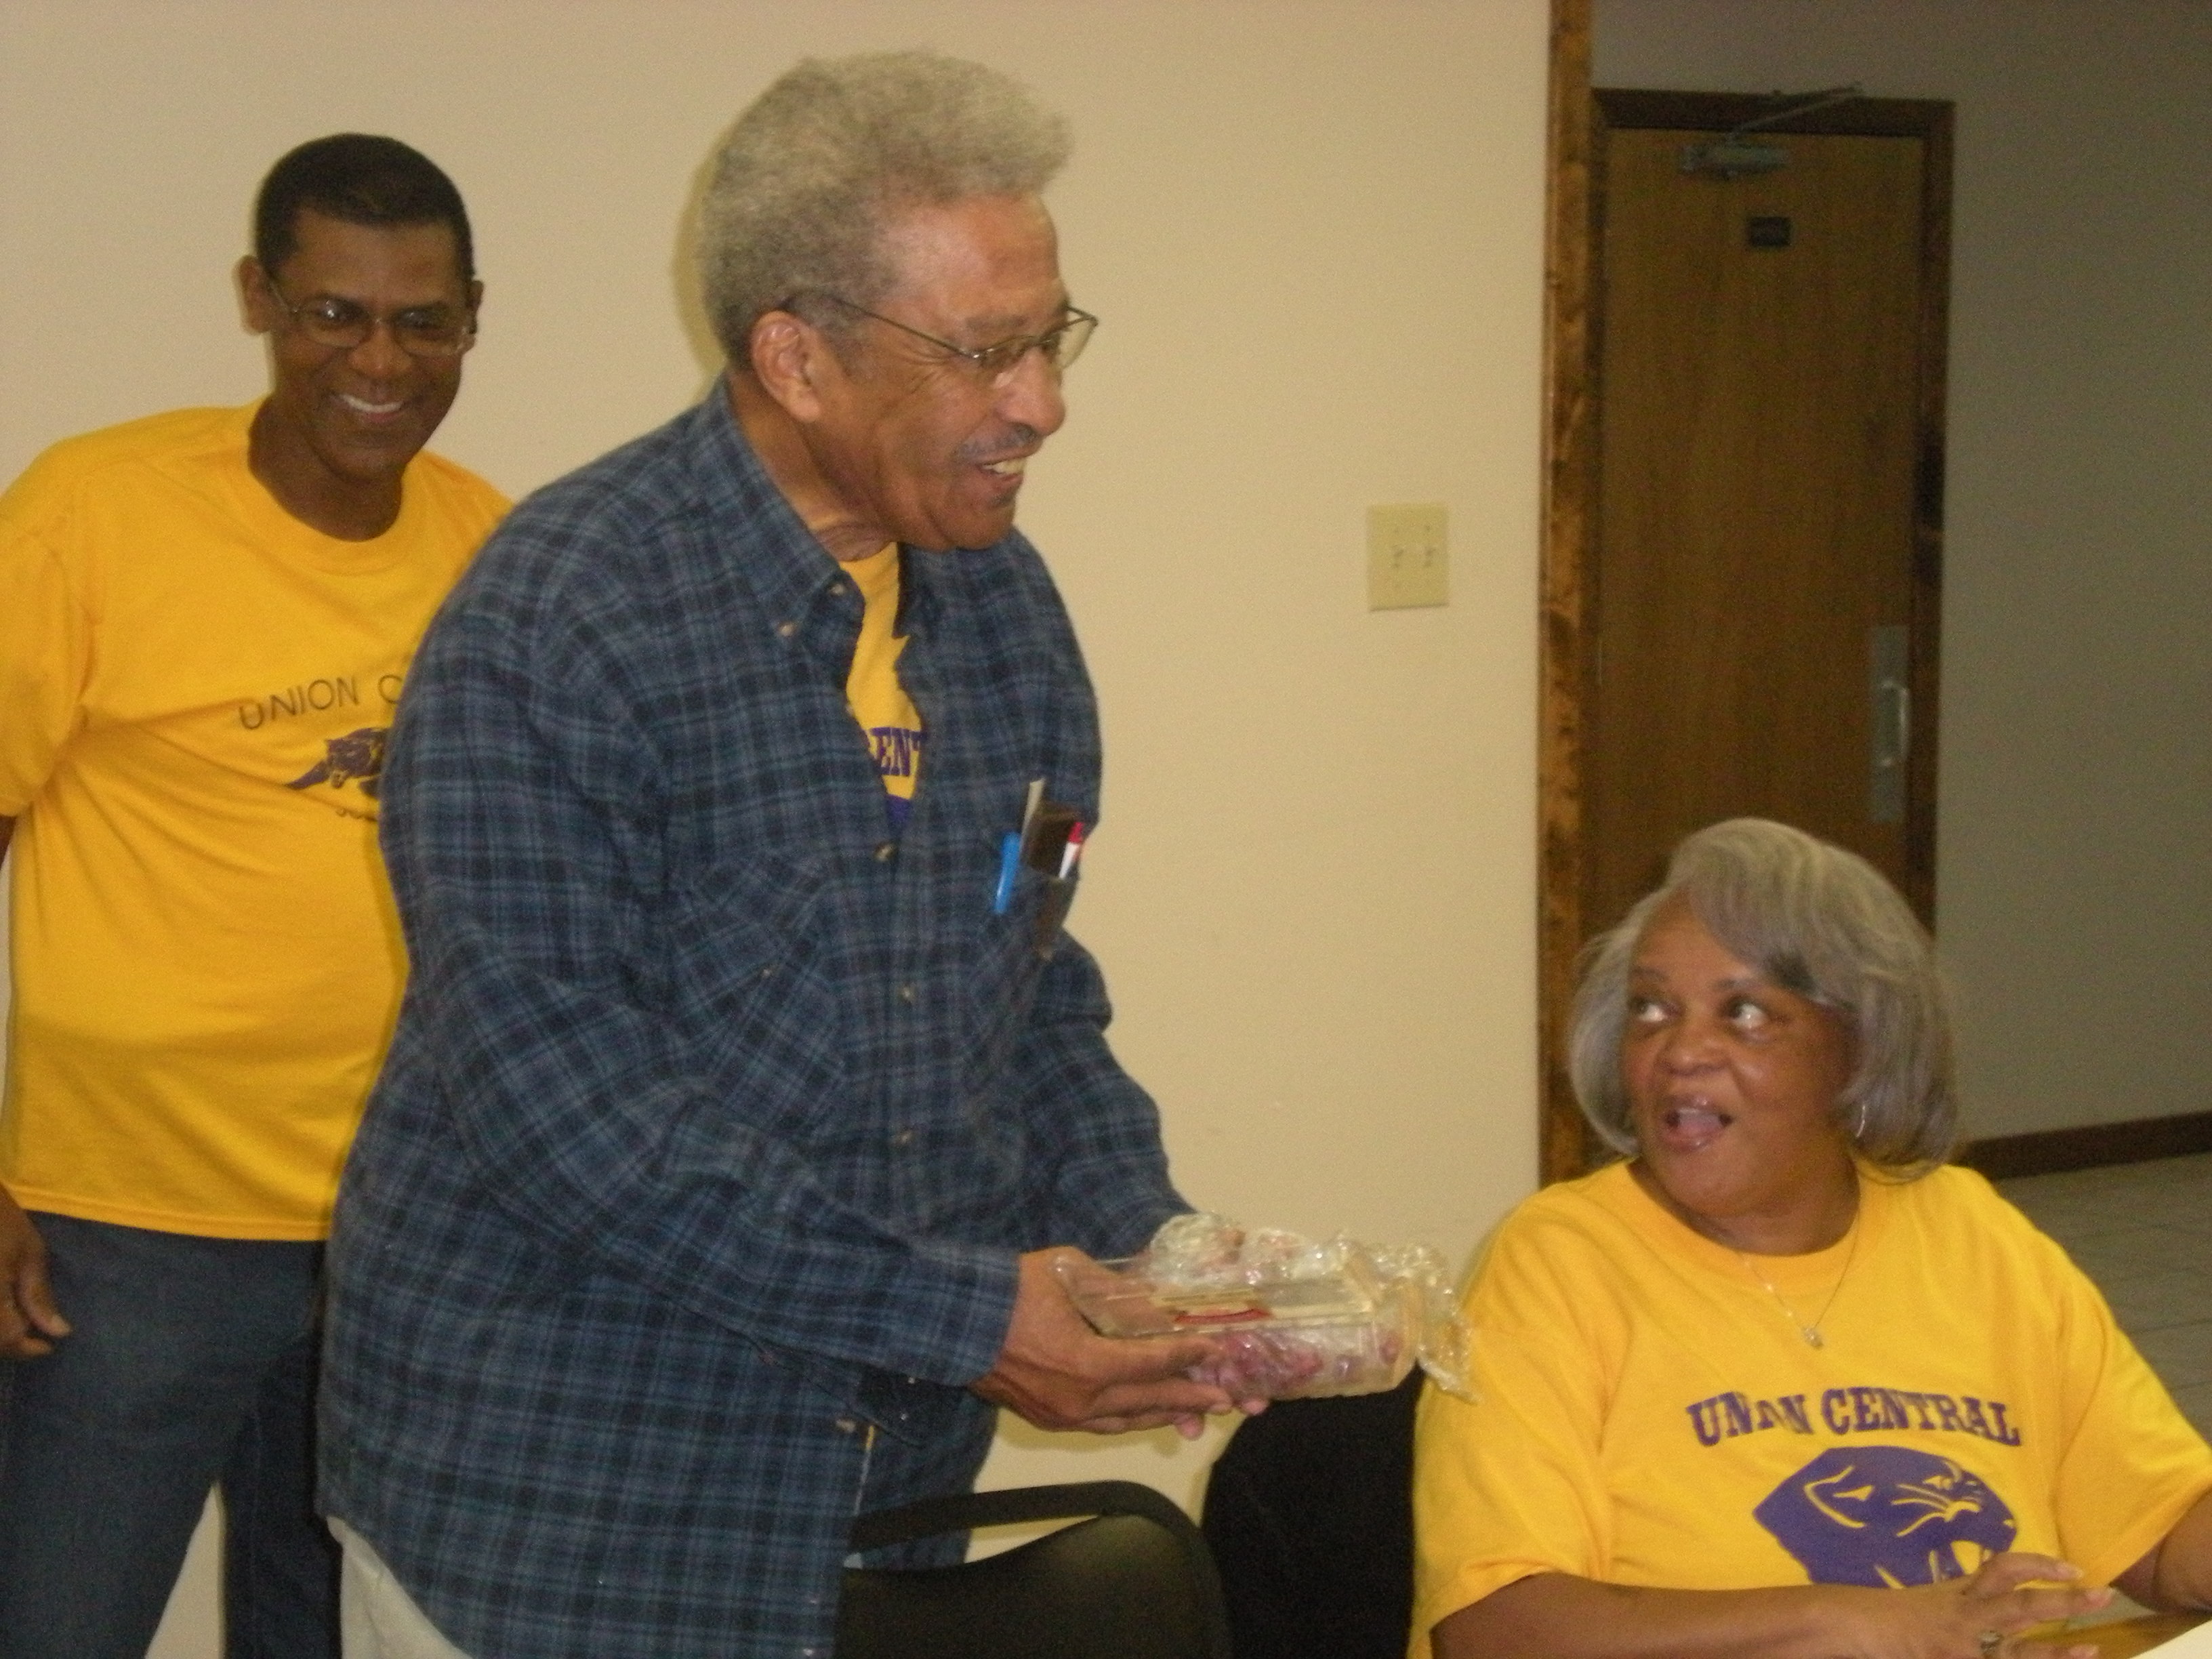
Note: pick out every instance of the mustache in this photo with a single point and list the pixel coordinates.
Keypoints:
(1018, 440)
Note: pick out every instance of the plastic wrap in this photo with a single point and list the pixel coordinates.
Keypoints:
(1295, 1319)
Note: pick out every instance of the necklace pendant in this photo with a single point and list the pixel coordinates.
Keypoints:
(1812, 1337)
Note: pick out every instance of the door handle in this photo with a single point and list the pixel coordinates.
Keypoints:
(1889, 695)
(1893, 746)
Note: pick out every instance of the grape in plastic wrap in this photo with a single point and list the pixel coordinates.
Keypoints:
(1293, 1319)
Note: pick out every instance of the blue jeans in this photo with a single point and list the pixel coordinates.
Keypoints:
(191, 1362)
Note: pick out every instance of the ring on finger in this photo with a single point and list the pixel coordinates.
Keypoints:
(1989, 1642)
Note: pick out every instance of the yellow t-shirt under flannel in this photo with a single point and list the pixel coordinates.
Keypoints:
(886, 714)
(194, 692)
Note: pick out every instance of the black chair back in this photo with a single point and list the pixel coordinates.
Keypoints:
(1132, 1581)
(1310, 1515)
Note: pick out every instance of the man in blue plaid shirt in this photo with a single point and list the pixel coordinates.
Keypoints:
(737, 1108)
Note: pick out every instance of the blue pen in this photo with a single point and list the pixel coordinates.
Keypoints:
(1010, 860)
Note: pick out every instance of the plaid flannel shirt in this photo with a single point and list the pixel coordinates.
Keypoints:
(688, 1200)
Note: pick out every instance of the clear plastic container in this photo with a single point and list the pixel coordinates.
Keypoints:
(1294, 1320)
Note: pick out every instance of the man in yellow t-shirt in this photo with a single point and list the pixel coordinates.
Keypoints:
(206, 620)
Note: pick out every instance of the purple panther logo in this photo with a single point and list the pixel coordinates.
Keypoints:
(1886, 1516)
(358, 756)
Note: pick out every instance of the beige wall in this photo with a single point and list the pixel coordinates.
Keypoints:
(2075, 885)
(1313, 228)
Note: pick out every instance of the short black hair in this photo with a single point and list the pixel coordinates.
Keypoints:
(363, 179)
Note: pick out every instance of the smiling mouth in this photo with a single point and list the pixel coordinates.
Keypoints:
(362, 407)
(1012, 467)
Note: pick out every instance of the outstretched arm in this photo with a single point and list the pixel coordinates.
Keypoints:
(1058, 1373)
(1557, 1615)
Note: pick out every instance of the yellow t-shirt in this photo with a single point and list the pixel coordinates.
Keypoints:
(1647, 1415)
(872, 691)
(196, 689)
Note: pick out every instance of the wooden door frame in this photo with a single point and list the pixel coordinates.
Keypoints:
(1580, 120)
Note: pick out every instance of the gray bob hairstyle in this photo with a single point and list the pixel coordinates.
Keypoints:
(1811, 919)
(813, 171)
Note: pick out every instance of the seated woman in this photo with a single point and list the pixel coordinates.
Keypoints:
(1782, 1383)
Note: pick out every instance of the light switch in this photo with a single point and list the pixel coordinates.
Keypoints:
(1406, 563)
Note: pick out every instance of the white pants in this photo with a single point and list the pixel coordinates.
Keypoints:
(377, 1617)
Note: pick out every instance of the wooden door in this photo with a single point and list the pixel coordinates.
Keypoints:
(1757, 599)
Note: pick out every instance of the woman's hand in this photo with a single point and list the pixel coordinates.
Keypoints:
(1558, 1615)
(1980, 1617)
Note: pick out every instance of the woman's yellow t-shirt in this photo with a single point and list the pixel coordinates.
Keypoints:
(1646, 1414)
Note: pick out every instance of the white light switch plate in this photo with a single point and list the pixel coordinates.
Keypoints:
(1405, 557)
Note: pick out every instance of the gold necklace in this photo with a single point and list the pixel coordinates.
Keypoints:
(1810, 1333)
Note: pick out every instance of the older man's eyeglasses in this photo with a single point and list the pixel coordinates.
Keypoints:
(341, 325)
(1060, 345)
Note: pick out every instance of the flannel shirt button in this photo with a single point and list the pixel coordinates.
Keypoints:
(847, 1425)
(784, 630)
(838, 588)
(884, 850)
(906, 994)
(903, 1137)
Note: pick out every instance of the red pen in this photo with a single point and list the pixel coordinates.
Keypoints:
(1072, 850)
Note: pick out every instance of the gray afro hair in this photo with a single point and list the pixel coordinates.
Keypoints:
(813, 171)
